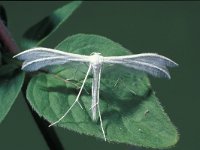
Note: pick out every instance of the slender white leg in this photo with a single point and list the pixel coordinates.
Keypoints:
(101, 123)
(116, 82)
(95, 105)
(67, 80)
(76, 98)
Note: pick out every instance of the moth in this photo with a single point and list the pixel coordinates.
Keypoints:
(39, 57)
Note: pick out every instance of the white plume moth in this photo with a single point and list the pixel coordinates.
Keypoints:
(151, 63)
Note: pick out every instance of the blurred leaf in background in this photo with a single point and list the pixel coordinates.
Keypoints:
(9, 90)
(11, 80)
(3, 16)
(42, 30)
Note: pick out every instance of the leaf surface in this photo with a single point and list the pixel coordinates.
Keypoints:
(9, 90)
(130, 111)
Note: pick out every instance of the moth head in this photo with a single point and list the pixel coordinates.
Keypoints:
(96, 58)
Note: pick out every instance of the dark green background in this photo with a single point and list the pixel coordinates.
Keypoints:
(168, 28)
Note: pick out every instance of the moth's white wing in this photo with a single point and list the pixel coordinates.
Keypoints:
(40, 57)
(151, 63)
(34, 65)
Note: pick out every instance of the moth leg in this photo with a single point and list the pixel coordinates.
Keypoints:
(101, 122)
(132, 91)
(76, 100)
(67, 81)
(94, 105)
(117, 82)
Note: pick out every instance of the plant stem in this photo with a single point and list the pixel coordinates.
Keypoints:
(7, 40)
(49, 134)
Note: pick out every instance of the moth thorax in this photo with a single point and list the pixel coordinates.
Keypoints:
(96, 59)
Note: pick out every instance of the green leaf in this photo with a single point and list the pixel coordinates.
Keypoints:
(7, 69)
(42, 30)
(130, 110)
(9, 90)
